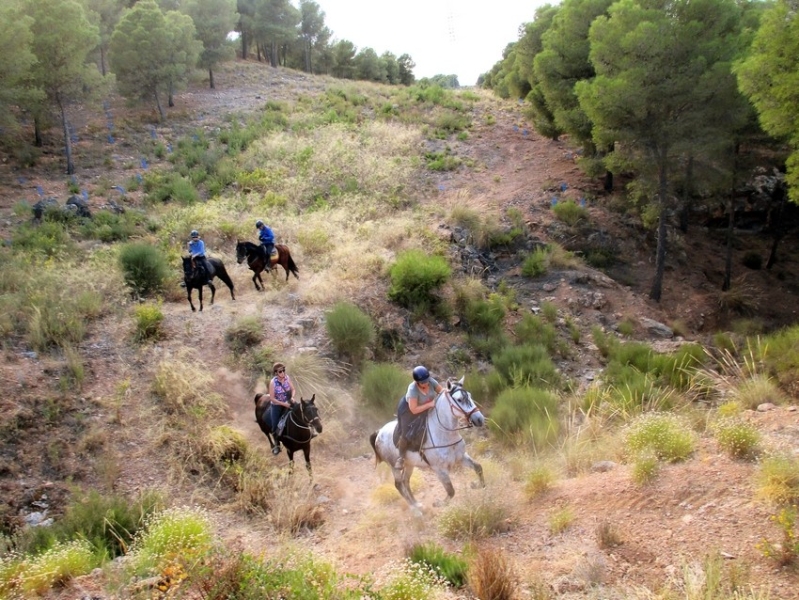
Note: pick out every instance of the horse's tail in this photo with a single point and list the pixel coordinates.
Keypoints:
(372, 439)
(221, 272)
(290, 264)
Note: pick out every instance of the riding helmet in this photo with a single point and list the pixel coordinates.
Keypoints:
(420, 374)
(195, 234)
(258, 223)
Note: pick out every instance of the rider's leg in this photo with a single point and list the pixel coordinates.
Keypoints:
(275, 413)
(402, 446)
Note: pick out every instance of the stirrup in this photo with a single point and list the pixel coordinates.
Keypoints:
(276, 450)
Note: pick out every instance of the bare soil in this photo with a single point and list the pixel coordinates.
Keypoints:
(705, 505)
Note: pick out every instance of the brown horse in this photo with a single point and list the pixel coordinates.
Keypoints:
(252, 253)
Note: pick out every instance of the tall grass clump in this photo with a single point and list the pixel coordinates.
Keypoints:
(415, 276)
(526, 415)
(54, 567)
(526, 365)
(245, 333)
(184, 388)
(778, 479)
(664, 435)
(536, 263)
(350, 330)
(491, 576)
(446, 565)
(183, 532)
(737, 438)
(144, 268)
(532, 329)
(538, 481)
(409, 581)
(474, 518)
(382, 385)
(149, 321)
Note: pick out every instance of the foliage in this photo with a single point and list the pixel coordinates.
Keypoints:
(663, 434)
(183, 386)
(645, 468)
(446, 565)
(491, 576)
(350, 330)
(526, 414)
(414, 278)
(737, 438)
(786, 551)
(410, 581)
(533, 330)
(527, 365)
(536, 264)
(53, 567)
(538, 481)
(778, 479)
(570, 212)
(479, 518)
(144, 268)
(182, 531)
(244, 334)
(149, 321)
(561, 520)
(382, 385)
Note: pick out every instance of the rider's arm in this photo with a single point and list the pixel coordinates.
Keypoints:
(416, 407)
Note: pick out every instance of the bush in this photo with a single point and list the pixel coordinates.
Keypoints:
(382, 386)
(48, 239)
(56, 566)
(664, 435)
(184, 532)
(527, 413)
(491, 576)
(538, 481)
(536, 264)
(570, 212)
(737, 438)
(414, 278)
(350, 330)
(474, 519)
(149, 318)
(244, 333)
(144, 268)
(778, 479)
(528, 365)
(645, 468)
(445, 564)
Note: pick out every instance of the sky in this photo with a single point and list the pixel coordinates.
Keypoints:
(461, 37)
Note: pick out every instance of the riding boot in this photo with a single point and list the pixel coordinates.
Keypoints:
(276, 449)
(403, 448)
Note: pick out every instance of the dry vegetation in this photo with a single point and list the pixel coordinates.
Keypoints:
(615, 467)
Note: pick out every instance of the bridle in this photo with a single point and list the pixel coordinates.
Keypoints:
(457, 411)
(304, 424)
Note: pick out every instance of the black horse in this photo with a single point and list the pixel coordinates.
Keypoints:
(196, 277)
(302, 420)
(252, 253)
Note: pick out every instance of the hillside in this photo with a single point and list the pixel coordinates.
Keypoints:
(114, 436)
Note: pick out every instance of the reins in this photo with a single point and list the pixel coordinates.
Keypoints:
(453, 404)
(306, 426)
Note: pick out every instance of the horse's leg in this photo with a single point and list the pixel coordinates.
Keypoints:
(290, 454)
(443, 477)
(402, 481)
(306, 450)
(470, 462)
(213, 291)
(188, 292)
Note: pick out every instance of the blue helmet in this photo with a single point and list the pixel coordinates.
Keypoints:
(259, 223)
(420, 374)
(195, 234)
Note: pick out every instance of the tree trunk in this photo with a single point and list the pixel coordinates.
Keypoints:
(37, 132)
(660, 256)
(161, 115)
(102, 60)
(687, 191)
(728, 256)
(67, 138)
(273, 54)
(171, 95)
(777, 226)
(211, 78)
(307, 57)
(243, 45)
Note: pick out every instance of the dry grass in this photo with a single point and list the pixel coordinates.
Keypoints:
(492, 576)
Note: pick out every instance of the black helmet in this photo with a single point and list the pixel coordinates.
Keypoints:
(258, 223)
(420, 374)
(195, 233)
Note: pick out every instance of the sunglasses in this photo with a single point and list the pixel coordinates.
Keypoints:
(280, 371)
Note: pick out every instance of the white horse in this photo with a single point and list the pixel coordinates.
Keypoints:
(443, 447)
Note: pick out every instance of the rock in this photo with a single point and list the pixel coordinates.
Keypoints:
(79, 205)
(41, 207)
(656, 328)
(603, 466)
(765, 407)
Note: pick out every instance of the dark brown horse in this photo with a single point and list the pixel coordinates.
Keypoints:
(302, 420)
(252, 253)
(196, 278)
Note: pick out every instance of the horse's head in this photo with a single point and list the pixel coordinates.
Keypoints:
(188, 268)
(309, 414)
(241, 252)
(462, 400)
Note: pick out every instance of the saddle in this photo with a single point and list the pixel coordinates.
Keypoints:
(414, 430)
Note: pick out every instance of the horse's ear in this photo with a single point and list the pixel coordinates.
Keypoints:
(312, 398)
(461, 380)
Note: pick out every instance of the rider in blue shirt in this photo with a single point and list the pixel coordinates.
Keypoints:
(267, 242)
(197, 253)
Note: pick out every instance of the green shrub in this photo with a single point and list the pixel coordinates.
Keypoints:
(484, 317)
(446, 565)
(737, 438)
(149, 318)
(350, 330)
(645, 468)
(244, 333)
(144, 268)
(570, 212)
(382, 386)
(184, 532)
(786, 551)
(56, 566)
(526, 414)
(527, 365)
(561, 520)
(47, 239)
(415, 276)
(538, 481)
(778, 479)
(549, 310)
(664, 435)
(536, 264)
(474, 520)
(410, 581)
(533, 330)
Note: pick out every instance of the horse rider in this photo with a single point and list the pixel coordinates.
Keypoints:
(267, 243)
(420, 397)
(281, 391)
(197, 253)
